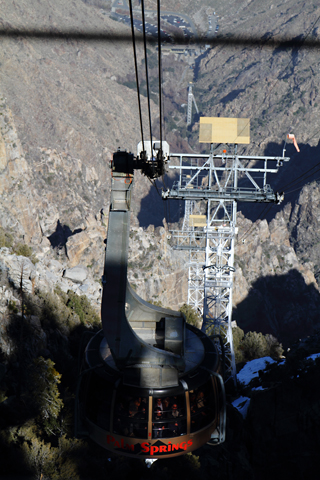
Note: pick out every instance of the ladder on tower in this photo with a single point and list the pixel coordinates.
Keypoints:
(195, 272)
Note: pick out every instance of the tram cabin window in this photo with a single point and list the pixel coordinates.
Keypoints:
(202, 406)
(130, 417)
(169, 418)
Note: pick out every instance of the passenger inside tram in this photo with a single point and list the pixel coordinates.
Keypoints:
(169, 414)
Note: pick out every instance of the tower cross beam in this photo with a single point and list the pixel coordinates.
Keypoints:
(212, 185)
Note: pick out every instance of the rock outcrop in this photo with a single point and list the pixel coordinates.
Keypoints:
(45, 275)
(156, 271)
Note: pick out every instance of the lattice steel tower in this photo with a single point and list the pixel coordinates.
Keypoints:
(191, 100)
(211, 185)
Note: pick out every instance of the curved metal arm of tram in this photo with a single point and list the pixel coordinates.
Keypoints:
(124, 313)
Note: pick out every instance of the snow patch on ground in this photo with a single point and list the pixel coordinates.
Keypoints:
(242, 404)
(313, 357)
(251, 369)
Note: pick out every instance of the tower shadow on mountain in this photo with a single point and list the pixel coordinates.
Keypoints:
(283, 305)
(58, 239)
(154, 209)
(232, 96)
(303, 168)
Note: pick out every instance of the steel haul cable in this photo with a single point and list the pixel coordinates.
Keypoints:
(146, 69)
(136, 72)
(160, 71)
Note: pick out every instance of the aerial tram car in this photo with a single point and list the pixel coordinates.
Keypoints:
(151, 385)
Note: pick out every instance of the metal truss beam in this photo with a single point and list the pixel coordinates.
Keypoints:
(211, 185)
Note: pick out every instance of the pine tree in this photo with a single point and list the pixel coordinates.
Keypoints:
(39, 457)
(45, 380)
(52, 463)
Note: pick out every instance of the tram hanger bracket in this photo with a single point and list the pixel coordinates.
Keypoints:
(125, 162)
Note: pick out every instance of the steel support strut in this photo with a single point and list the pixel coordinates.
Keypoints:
(211, 185)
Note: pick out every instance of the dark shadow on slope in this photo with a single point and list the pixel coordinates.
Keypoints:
(231, 96)
(197, 63)
(288, 179)
(286, 409)
(283, 305)
(154, 209)
(59, 238)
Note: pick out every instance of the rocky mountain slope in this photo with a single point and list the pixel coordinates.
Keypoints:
(65, 107)
(275, 286)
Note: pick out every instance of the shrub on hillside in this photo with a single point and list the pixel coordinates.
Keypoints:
(22, 249)
(62, 310)
(192, 317)
(25, 251)
(238, 335)
(53, 312)
(19, 248)
(275, 349)
(6, 239)
(254, 345)
(83, 308)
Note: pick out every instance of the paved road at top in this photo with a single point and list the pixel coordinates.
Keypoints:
(181, 15)
(210, 33)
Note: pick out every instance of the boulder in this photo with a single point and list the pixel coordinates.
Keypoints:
(76, 274)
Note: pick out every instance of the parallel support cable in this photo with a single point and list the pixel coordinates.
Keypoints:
(146, 65)
(160, 71)
(160, 83)
(136, 71)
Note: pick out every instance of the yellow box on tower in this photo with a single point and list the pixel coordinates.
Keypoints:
(224, 130)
